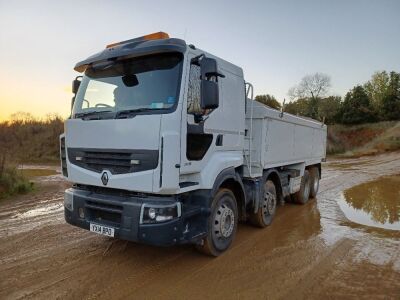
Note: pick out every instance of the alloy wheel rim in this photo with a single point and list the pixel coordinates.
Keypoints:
(224, 221)
(269, 203)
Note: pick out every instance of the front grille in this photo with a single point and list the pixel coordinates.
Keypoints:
(109, 191)
(63, 157)
(106, 206)
(115, 161)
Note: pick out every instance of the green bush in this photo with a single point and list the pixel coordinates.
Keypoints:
(12, 182)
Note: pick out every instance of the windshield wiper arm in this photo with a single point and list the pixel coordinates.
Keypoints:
(90, 113)
(128, 112)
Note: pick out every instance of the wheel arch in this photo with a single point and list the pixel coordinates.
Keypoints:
(318, 166)
(273, 175)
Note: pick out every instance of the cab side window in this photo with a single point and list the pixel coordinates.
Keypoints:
(193, 98)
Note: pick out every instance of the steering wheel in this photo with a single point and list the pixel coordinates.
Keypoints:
(102, 105)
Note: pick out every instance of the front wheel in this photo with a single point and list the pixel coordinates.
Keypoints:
(222, 224)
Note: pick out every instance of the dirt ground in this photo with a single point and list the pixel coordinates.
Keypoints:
(309, 251)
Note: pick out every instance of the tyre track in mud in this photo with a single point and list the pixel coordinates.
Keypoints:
(194, 268)
(320, 270)
(309, 251)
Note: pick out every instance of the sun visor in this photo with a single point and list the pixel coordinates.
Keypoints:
(132, 49)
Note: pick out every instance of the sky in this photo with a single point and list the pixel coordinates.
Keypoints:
(275, 42)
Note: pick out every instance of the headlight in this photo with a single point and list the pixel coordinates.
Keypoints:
(69, 200)
(151, 214)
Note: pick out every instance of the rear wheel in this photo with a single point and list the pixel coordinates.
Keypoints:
(267, 209)
(303, 194)
(222, 224)
(314, 182)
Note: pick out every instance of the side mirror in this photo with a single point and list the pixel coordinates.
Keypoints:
(209, 94)
(209, 83)
(75, 84)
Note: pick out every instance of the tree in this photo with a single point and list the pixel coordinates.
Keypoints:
(312, 87)
(356, 107)
(384, 93)
(299, 107)
(268, 100)
(376, 89)
(329, 108)
(390, 106)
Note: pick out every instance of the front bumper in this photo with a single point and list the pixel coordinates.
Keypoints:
(123, 213)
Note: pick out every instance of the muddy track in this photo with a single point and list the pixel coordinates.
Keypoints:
(309, 251)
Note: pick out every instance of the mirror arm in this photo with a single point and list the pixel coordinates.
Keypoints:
(196, 60)
(198, 118)
(220, 75)
(216, 74)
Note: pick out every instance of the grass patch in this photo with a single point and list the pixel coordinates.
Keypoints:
(13, 182)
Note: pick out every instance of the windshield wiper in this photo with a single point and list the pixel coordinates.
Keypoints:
(91, 113)
(129, 112)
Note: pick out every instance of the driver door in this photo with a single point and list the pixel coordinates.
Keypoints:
(197, 145)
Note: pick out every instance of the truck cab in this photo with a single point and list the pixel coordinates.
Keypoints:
(155, 145)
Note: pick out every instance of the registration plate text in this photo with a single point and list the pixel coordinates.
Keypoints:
(100, 229)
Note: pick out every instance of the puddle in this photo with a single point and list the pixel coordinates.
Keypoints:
(41, 211)
(348, 164)
(374, 203)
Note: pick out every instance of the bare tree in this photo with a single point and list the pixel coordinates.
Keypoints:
(311, 86)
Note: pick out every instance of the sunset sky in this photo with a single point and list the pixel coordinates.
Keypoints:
(276, 43)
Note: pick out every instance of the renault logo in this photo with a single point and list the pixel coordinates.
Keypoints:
(104, 178)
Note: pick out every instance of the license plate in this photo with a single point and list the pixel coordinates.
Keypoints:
(100, 229)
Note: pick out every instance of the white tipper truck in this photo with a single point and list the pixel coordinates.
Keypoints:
(165, 147)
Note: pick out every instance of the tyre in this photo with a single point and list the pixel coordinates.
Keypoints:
(222, 224)
(314, 182)
(301, 197)
(267, 209)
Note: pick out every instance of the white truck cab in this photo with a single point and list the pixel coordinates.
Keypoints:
(163, 147)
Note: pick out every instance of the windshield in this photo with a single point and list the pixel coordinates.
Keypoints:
(140, 84)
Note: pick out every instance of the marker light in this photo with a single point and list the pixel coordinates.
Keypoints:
(153, 36)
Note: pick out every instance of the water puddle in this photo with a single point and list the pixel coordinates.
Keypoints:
(348, 164)
(41, 211)
(374, 203)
